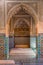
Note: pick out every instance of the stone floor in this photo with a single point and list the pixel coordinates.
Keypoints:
(25, 57)
(22, 53)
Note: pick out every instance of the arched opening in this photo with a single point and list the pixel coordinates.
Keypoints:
(27, 10)
(22, 25)
(22, 34)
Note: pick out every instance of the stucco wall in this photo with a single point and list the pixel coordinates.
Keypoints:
(39, 13)
(41, 17)
(38, 10)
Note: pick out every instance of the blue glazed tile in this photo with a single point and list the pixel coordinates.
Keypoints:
(6, 45)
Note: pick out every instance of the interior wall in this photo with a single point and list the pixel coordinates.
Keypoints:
(39, 11)
(37, 5)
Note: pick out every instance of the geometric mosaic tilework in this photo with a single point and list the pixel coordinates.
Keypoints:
(6, 45)
(33, 43)
(41, 45)
(38, 47)
(2, 37)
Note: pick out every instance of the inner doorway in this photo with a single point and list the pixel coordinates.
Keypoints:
(22, 34)
(22, 11)
(22, 26)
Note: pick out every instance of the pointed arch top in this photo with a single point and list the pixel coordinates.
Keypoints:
(15, 9)
(29, 10)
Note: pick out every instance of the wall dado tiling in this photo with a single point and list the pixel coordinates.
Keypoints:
(4, 45)
(2, 42)
(41, 44)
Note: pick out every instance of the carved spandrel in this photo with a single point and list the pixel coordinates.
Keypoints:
(10, 5)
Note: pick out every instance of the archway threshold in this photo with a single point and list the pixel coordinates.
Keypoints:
(22, 53)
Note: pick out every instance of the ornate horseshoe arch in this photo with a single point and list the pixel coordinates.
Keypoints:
(14, 11)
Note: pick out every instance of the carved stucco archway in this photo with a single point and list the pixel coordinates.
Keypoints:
(17, 23)
(27, 22)
(15, 9)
